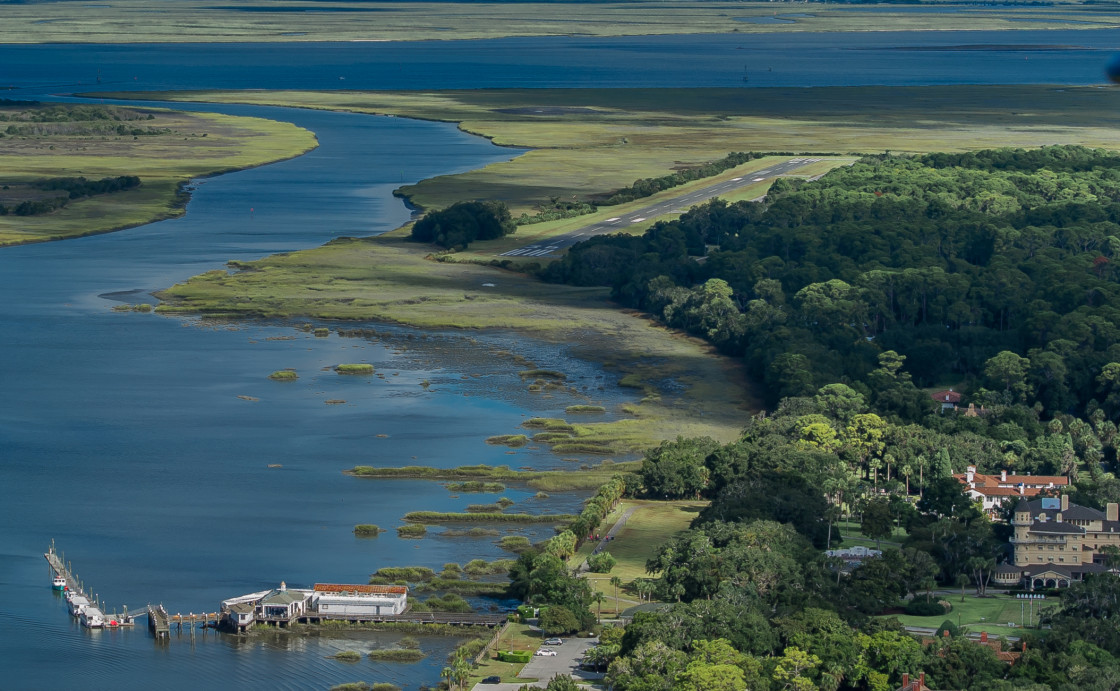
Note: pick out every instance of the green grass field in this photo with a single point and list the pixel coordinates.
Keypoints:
(194, 145)
(649, 527)
(997, 614)
(133, 21)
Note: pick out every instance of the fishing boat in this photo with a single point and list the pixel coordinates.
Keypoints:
(59, 583)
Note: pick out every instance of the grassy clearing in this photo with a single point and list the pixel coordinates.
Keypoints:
(366, 20)
(651, 524)
(190, 145)
(992, 614)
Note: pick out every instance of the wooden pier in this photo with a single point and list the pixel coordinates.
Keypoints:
(159, 623)
(61, 568)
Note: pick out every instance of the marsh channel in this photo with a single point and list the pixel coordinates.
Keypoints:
(143, 443)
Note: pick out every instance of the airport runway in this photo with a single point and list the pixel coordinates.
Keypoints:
(677, 205)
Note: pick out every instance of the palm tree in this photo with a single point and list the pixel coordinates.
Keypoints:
(616, 581)
(599, 601)
(449, 675)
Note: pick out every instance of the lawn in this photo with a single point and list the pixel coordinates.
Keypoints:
(515, 637)
(649, 527)
(992, 614)
(851, 537)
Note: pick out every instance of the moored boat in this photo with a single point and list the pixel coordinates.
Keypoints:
(59, 583)
(92, 618)
(77, 604)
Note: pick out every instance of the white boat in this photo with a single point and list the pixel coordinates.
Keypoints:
(77, 604)
(59, 583)
(92, 618)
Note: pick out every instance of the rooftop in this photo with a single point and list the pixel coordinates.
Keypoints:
(361, 589)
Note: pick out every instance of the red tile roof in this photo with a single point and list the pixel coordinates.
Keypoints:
(369, 589)
(946, 397)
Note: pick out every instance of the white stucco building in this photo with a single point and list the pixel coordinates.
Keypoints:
(340, 599)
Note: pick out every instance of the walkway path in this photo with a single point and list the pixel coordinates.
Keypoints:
(611, 533)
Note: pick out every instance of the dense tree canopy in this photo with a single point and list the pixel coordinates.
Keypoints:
(462, 223)
(994, 266)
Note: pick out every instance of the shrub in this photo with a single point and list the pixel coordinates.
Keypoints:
(557, 620)
(949, 626)
(521, 656)
(919, 607)
(367, 530)
(602, 562)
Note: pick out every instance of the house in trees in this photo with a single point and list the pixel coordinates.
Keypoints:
(949, 400)
(1056, 543)
(993, 490)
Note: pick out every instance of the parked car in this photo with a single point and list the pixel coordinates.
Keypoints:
(554, 641)
(492, 680)
(547, 652)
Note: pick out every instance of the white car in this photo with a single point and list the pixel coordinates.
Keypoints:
(546, 652)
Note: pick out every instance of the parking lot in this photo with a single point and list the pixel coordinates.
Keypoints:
(544, 668)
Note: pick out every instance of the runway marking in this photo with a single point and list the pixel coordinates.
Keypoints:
(637, 220)
(611, 220)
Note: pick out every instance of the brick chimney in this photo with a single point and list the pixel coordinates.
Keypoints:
(922, 681)
(1112, 512)
(1065, 502)
(983, 636)
(905, 681)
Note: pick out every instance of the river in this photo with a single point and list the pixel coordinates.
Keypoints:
(142, 443)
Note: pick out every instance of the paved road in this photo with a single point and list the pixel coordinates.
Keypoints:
(676, 205)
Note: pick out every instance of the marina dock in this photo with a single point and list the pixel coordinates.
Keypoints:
(357, 604)
(73, 587)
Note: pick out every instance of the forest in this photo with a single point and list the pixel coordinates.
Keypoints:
(755, 603)
(846, 296)
(949, 260)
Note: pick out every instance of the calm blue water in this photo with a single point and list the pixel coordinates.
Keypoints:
(801, 59)
(123, 435)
